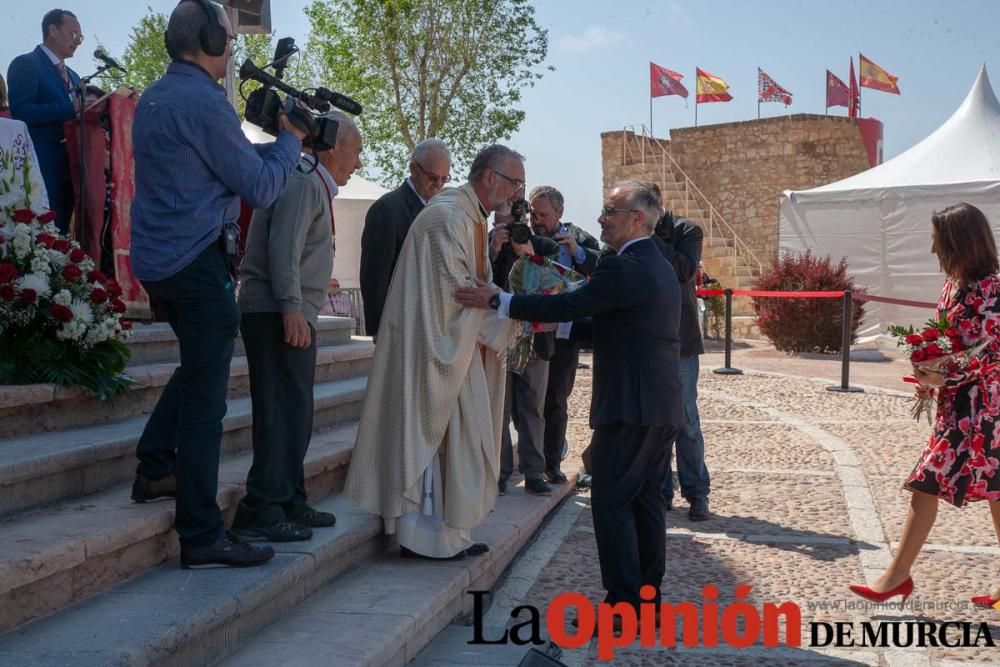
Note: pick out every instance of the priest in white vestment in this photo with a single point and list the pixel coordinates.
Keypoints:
(426, 457)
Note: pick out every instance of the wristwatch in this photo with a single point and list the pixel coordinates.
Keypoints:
(495, 301)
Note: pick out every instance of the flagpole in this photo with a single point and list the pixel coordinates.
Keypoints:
(696, 112)
(650, 116)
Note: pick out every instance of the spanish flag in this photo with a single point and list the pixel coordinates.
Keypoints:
(711, 88)
(873, 76)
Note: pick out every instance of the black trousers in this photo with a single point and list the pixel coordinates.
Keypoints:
(184, 432)
(629, 462)
(562, 375)
(281, 390)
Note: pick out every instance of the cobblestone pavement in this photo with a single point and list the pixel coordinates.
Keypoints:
(806, 499)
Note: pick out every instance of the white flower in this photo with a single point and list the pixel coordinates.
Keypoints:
(34, 281)
(63, 298)
(82, 312)
(40, 262)
(58, 259)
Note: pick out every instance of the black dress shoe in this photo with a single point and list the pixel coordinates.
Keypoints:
(555, 477)
(408, 553)
(311, 517)
(145, 489)
(537, 487)
(502, 487)
(477, 549)
(228, 551)
(698, 510)
(668, 504)
(282, 531)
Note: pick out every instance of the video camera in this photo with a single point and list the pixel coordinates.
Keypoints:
(520, 232)
(263, 104)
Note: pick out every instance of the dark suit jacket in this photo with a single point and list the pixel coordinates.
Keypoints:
(386, 224)
(634, 301)
(680, 240)
(38, 97)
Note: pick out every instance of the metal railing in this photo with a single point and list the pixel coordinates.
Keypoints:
(642, 140)
(353, 306)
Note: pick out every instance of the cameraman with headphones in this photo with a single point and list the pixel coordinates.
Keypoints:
(192, 166)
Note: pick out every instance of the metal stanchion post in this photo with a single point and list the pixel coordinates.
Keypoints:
(728, 368)
(845, 366)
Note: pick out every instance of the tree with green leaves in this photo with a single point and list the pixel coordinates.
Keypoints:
(451, 69)
(146, 57)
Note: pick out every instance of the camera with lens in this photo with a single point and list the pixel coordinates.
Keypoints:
(264, 103)
(520, 232)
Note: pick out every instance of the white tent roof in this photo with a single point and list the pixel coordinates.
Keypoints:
(966, 149)
(880, 219)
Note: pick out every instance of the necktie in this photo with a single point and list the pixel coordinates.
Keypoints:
(65, 75)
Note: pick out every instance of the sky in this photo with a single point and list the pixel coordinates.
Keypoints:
(601, 52)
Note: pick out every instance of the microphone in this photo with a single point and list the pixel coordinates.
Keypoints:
(342, 102)
(108, 60)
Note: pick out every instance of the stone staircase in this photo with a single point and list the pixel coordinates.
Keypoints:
(87, 577)
(726, 257)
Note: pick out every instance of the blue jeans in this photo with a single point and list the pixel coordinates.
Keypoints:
(690, 444)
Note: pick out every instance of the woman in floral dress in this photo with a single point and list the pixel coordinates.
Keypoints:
(961, 463)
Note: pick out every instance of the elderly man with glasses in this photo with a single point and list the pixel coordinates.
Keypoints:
(41, 95)
(389, 219)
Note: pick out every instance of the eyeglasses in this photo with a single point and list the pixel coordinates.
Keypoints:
(518, 184)
(611, 210)
(432, 177)
(76, 36)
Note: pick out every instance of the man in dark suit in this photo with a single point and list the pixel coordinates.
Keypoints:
(41, 95)
(389, 219)
(578, 251)
(680, 241)
(633, 299)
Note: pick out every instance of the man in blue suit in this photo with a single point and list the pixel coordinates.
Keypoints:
(633, 301)
(41, 95)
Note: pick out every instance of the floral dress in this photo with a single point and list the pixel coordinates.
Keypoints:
(961, 463)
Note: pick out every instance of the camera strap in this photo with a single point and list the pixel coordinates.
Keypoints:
(329, 195)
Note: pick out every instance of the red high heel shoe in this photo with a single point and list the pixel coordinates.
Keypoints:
(904, 589)
(985, 601)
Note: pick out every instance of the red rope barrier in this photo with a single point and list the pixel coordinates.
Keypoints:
(816, 295)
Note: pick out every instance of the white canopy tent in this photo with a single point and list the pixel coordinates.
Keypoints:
(349, 209)
(880, 219)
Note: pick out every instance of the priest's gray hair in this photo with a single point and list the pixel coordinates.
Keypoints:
(491, 157)
(428, 146)
(642, 197)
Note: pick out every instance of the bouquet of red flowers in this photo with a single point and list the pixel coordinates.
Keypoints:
(936, 352)
(535, 274)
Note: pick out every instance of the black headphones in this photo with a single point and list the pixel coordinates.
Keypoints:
(212, 36)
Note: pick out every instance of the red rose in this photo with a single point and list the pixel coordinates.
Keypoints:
(933, 351)
(77, 255)
(28, 296)
(7, 292)
(535, 259)
(930, 334)
(61, 245)
(918, 355)
(957, 345)
(96, 277)
(60, 313)
(72, 272)
(914, 339)
(48, 216)
(560, 269)
(7, 272)
(118, 306)
(23, 215)
(114, 289)
(126, 325)
(97, 295)
(46, 240)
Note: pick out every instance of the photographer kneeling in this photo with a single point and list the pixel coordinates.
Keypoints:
(524, 398)
(192, 165)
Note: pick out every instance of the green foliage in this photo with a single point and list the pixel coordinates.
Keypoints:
(145, 57)
(259, 49)
(805, 325)
(715, 310)
(451, 69)
(31, 358)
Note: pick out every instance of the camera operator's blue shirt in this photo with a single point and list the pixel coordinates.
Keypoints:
(192, 166)
(567, 259)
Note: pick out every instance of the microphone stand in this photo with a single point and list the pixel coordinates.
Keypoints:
(80, 91)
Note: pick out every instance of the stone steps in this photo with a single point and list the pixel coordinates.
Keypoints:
(47, 466)
(61, 554)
